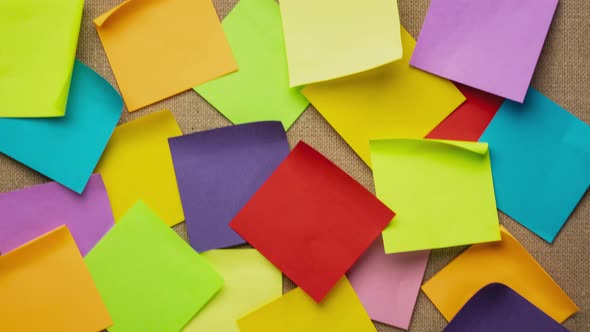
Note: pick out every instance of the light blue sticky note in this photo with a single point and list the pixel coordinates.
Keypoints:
(540, 156)
(66, 149)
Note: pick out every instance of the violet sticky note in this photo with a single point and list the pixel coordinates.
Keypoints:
(491, 45)
(495, 308)
(31, 212)
(217, 173)
(388, 285)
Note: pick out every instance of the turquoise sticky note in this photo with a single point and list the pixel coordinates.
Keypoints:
(67, 149)
(540, 156)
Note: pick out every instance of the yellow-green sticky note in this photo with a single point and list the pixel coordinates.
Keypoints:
(148, 277)
(250, 281)
(340, 310)
(442, 192)
(39, 40)
(259, 90)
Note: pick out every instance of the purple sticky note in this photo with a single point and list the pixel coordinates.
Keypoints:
(495, 308)
(491, 45)
(388, 285)
(31, 212)
(217, 173)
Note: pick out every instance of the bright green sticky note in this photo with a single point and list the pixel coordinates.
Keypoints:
(250, 282)
(148, 277)
(259, 90)
(38, 41)
(441, 191)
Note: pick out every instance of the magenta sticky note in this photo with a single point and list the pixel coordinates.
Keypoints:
(388, 285)
(31, 212)
(491, 45)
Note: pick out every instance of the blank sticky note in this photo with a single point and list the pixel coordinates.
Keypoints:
(311, 220)
(259, 91)
(540, 157)
(31, 212)
(218, 171)
(66, 149)
(250, 281)
(160, 48)
(506, 262)
(393, 101)
(149, 278)
(295, 311)
(45, 286)
(442, 191)
(137, 165)
(39, 41)
(362, 36)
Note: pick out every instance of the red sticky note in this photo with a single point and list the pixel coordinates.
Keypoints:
(312, 220)
(470, 120)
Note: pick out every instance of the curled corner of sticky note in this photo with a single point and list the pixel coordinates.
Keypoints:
(472, 147)
(102, 19)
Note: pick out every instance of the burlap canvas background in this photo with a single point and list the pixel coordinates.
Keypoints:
(562, 74)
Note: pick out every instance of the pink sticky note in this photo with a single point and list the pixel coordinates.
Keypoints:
(388, 285)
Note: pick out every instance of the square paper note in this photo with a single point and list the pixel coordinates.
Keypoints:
(541, 162)
(311, 220)
(218, 171)
(159, 48)
(149, 278)
(259, 91)
(442, 191)
(491, 45)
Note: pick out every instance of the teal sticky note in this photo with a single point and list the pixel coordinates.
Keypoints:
(66, 149)
(540, 156)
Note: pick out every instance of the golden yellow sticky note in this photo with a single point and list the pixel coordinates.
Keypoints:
(392, 101)
(137, 165)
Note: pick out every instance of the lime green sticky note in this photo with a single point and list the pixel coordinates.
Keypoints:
(259, 90)
(250, 282)
(38, 39)
(442, 192)
(148, 277)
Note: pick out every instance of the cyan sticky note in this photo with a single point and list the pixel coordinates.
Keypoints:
(540, 156)
(67, 149)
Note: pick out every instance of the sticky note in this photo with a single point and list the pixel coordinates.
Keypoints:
(388, 285)
(540, 157)
(441, 190)
(45, 286)
(496, 307)
(486, 44)
(31, 212)
(393, 101)
(311, 220)
(137, 165)
(341, 310)
(160, 48)
(39, 41)
(148, 277)
(218, 171)
(259, 91)
(66, 149)
(250, 281)
(471, 119)
(506, 262)
(364, 35)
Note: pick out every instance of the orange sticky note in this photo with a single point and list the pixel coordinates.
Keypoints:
(506, 262)
(159, 48)
(45, 286)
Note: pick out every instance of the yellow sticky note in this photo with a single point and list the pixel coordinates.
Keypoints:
(506, 262)
(38, 45)
(137, 165)
(322, 44)
(250, 281)
(340, 310)
(442, 193)
(393, 101)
